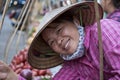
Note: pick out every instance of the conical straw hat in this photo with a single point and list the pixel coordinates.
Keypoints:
(40, 55)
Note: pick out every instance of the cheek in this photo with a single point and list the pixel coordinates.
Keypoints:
(57, 49)
(71, 32)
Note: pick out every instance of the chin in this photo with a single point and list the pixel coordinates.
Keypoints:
(71, 52)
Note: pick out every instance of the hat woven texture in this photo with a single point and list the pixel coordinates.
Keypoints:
(40, 55)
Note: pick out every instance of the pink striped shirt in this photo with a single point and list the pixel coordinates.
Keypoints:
(87, 67)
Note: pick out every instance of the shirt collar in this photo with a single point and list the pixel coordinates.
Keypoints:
(87, 37)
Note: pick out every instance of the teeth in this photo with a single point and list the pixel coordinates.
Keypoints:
(66, 44)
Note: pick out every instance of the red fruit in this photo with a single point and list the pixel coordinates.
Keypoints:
(21, 51)
(18, 70)
(15, 57)
(26, 66)
(13, 62)
(20, 65)
(35, 73)
(42, 72)
(25, 55)
(48, 72)
(35, 70)
(13, 67)
(17, 61)
(26, 49)
(21, 58)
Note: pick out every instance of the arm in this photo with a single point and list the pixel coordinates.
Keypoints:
(66, 73)
(7, 73)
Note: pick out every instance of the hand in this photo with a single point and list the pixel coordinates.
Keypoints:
(6, 73)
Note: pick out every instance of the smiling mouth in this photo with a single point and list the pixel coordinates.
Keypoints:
(67, 44)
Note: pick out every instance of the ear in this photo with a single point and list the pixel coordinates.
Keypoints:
(76, 21)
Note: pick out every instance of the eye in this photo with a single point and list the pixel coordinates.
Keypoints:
(51, 43)
(59, 30)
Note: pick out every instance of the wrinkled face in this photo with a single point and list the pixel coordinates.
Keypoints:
(63, 38)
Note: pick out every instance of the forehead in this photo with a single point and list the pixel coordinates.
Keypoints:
(49, 29)
(55, 25)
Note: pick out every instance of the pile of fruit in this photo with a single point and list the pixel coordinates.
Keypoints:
(20, 65)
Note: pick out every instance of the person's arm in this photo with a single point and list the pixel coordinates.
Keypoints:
(6, 73)
(111, 48)
(67, 73)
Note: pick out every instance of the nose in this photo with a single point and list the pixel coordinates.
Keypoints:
(59, 40)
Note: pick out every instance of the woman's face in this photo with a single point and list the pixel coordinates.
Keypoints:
(63, 38)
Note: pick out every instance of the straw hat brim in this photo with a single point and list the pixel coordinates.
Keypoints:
(40, 55)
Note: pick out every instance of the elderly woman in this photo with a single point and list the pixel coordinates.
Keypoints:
(69, 36)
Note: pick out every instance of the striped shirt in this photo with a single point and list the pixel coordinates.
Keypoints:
(114, 15)
(87, 67)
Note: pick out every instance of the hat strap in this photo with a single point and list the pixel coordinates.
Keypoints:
(99, 40)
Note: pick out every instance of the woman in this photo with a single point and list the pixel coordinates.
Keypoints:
(112, 8)
(66, 38)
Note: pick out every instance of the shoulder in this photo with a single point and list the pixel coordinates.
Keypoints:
(110, 30)
(108, 21)
(107, 24)
(103, 23)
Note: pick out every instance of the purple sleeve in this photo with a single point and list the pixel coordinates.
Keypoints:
(67, 73)
(21, 78)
